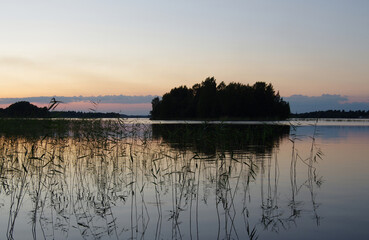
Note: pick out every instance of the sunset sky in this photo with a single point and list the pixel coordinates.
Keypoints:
(139, 48)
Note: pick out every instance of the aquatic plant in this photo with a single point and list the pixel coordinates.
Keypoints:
(117, 179)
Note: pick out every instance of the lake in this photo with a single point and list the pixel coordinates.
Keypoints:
(142, 179)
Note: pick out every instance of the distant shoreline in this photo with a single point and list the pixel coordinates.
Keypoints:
(333, 114)
(28, 110)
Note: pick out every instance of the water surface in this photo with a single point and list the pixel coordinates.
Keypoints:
(188, 181)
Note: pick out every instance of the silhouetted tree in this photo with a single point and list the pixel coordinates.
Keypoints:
(206, 96)
(25, 109)
(208, 100)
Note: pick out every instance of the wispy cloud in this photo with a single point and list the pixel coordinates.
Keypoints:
(16, 61)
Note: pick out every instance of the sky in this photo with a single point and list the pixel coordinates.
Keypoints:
(306, 49)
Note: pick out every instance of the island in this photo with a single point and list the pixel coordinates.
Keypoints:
(211, 101)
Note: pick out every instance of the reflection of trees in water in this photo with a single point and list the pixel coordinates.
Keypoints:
(106, 186)
(210, 138)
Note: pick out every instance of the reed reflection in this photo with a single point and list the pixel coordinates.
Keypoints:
(136, 182)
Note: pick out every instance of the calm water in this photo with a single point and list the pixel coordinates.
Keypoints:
(188, 181)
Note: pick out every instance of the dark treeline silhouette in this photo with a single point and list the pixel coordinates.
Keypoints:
(208, 100)
(25, 109)
(333, 114)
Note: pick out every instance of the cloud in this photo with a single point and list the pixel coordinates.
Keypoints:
(16, 61)
(301, 103)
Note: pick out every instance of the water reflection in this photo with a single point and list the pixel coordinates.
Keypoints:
(212, 138)
(177, 182)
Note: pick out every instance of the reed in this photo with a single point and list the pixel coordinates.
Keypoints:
(117, 180)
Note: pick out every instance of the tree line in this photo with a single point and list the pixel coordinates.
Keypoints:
(333, 114)
(24, 109)
(209, 100)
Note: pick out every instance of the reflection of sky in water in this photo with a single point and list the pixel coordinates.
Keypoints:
(344, 194)
(337, 133)
(136, 189)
